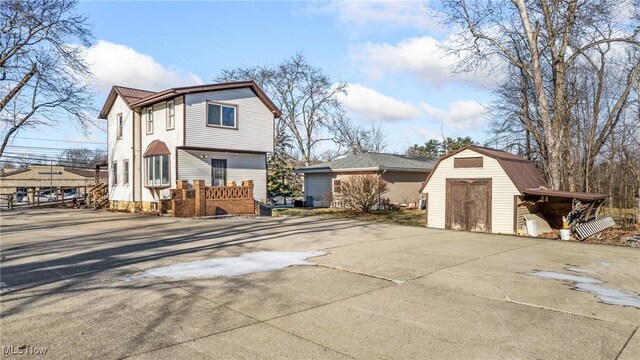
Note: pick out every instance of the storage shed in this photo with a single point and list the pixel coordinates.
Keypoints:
(479, 189)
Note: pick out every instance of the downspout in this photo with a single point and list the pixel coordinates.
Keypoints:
(378, 185)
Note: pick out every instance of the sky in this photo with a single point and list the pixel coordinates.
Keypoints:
(389, 53)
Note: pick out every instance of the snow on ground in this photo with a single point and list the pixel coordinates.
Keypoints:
(605, 294)
(578, 270)
(233, 266)
(3, 287)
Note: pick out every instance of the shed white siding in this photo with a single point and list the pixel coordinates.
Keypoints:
(120, 149)
(196, 165)
(503, 191)
(254, 122)
(171, 137)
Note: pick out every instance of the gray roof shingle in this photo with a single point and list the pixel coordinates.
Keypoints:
(373, 161)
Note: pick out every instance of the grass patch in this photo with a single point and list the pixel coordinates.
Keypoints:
(401, 217)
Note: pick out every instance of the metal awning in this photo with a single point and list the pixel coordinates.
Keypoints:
(156, 147)
(566, 194)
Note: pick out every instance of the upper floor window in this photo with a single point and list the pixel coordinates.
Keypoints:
(120, 125)
(221, 115)
(171, 115)
(150, 120)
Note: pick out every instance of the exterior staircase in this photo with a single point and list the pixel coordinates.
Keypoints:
(98, 196)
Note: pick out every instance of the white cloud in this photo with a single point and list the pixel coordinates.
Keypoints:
(461, 114)
(424, 133)
(360, 14)
(419, 56)
(116, 64)
(370, 104)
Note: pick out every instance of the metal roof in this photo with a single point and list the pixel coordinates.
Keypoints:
(156, 147)
(373, 162)
(522, 172)
(566, 194)
(136, 98)
(129, 95)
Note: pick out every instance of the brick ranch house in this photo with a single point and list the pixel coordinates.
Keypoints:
(217, 133)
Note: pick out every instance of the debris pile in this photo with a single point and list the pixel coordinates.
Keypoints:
(620, 237)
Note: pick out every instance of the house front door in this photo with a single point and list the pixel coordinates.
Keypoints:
(468, 205)
(218, 172)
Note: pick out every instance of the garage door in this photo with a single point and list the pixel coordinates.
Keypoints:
(468, 205)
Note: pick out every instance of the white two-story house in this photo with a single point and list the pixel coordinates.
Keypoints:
(217, 133)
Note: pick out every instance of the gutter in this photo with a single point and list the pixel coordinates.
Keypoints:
(329, 170)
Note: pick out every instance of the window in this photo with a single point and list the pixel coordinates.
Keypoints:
(157, 170)
(221, 115)
(171, 115)
(120, 125)
(218, 172)
(114, 173)
(125, 172)
(337, 186)
(150, 120)
(469, 162)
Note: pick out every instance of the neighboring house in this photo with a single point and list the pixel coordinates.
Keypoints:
(481, 189)
(404, 175)
(219, 133)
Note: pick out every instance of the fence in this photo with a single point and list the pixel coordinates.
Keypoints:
(60, 196)
(201, 200)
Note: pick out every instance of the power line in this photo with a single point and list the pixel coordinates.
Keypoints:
(53, 148)
(65, 141)
(48, 160)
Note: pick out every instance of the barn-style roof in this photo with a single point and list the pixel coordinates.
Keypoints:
(373, 162)
(522, 172)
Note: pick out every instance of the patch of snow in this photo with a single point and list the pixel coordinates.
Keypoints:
(397, 282)
(605, 264)
(3, 287)
(578, 270)
(564, 277)
(233, 266)
(605, 294)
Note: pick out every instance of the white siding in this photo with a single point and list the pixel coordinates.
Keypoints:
(196, 165)
(120, 149)
(171, 138)
(254, 122)
(502, 191)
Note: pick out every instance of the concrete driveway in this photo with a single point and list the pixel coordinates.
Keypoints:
(381, 291)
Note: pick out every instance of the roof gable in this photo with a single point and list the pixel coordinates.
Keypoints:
(128, 95)
(136, 98)
(522, 172)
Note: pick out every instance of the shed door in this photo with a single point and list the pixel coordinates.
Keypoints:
(468, 204)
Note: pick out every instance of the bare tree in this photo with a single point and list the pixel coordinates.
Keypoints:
(352, 138)
(305, 95)
(543, 43)
(43, 75)
(81, 157)
(362, 192)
